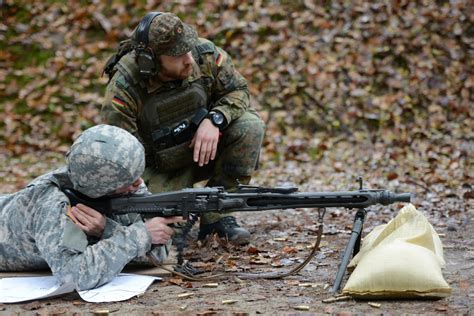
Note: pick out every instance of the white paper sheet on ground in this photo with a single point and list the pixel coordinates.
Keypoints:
(14, 290)
(123, 287)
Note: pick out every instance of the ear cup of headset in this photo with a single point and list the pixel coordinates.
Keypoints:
(144, 55)
(146, 62)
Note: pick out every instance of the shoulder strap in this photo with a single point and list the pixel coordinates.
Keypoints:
(203, 48)
(125, 47)
(131, 82)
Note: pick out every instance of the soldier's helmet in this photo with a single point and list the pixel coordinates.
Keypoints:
(168, 35)
(104, 158)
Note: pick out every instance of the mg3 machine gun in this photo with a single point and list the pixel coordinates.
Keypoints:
(193, 202)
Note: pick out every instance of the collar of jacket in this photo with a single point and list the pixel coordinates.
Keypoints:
(155, 84)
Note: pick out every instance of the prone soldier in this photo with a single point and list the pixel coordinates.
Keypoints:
(40, 229)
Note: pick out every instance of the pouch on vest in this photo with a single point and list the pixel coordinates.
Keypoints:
(73, 237)
(174, 158)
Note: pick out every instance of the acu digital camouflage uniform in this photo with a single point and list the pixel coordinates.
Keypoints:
(144, 106)
(36, 233)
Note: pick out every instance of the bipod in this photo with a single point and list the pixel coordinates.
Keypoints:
(352, 247)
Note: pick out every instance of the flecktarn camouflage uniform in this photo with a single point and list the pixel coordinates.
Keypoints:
(145, 106)
(36, 233)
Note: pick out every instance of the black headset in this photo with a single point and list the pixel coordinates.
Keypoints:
(145, 57)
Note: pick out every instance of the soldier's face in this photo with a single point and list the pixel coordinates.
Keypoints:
(176, 67)
(129, 188)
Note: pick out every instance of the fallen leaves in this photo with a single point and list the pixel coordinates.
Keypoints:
(289, 250)
(310, 67)
(175, 280)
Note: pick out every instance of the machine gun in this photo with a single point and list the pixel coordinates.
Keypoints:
(193, 202)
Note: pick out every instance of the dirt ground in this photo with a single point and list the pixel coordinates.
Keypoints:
(282, 238)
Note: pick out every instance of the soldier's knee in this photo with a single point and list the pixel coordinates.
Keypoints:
(249, 128)
(258, 127)
(256, 130)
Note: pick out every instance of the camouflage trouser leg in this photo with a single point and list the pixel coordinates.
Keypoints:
(158, 182)
(238, 152)
(236, 159)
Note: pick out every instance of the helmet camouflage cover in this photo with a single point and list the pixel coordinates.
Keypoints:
(104, 158)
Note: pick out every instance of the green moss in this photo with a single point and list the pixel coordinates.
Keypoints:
(21, 12)
(265, 30)
(315, 154)
(21, 108)
(33, 55)
(21, 81)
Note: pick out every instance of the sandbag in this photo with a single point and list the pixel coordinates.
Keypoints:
(401, 259)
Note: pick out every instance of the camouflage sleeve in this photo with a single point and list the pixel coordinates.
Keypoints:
(112, 225)
(231, 94)
(119, 108)
(64, 246)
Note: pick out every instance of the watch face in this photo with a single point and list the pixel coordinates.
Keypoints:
(217, 118)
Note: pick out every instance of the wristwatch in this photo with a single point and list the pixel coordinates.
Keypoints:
(218, 119)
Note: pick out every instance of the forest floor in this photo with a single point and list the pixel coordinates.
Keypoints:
(282, 238)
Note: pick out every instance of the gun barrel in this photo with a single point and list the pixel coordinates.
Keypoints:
(350, 199)
(402, 197)
(387, 197)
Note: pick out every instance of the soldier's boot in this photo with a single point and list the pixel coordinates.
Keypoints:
(226, 228)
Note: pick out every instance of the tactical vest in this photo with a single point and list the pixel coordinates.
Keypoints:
(166, 109)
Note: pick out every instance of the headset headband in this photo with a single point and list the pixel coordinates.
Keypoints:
(144, 27)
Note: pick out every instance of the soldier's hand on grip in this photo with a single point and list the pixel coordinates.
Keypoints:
(159, 228)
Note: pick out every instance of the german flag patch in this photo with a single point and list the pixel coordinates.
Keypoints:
(119, 102)
(219, 59)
